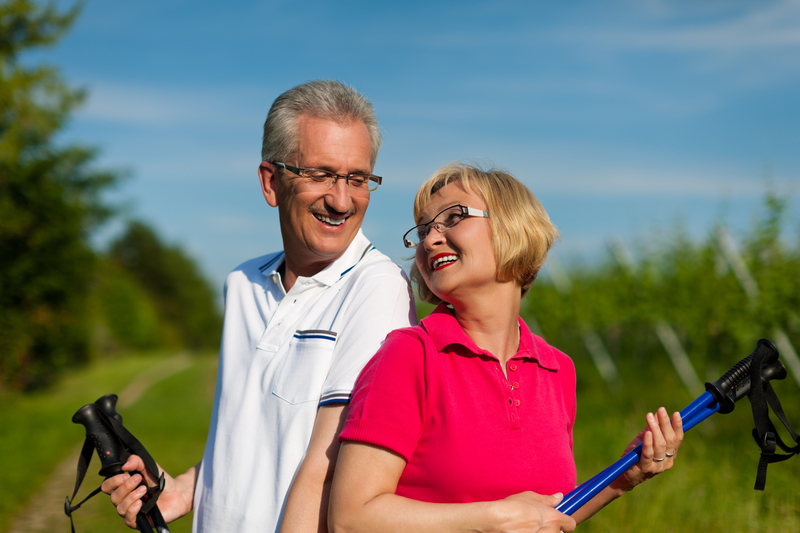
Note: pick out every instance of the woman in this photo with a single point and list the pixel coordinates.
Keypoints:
(464, 423)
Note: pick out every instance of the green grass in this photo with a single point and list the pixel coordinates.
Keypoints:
(710, 488)
(170, 419)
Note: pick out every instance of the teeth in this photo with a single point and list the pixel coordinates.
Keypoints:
(443, 260)
(330, 221)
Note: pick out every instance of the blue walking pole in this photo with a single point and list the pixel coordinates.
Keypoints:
(720, 396)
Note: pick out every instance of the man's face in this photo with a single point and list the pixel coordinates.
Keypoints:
(318, 225)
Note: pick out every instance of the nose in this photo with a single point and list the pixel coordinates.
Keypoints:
(338, 197)
(434, 237)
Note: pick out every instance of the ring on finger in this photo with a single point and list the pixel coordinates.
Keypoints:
(666, 454)
(658, 460)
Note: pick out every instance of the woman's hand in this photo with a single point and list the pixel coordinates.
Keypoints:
(363, 499)
(531, 512)
(660, 442)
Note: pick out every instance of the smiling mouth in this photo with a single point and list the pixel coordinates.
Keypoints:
(443, 261)
(328, 220)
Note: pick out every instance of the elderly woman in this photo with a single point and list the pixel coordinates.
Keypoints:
(464, 423)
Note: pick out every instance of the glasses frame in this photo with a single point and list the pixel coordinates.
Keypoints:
(439, 226)
(334, 177)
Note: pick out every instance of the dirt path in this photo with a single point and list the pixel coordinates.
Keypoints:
(44, 512)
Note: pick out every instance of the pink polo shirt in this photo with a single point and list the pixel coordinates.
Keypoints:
(467, 432)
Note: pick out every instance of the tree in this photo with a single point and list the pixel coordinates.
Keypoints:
(50, 200)
(183, 299)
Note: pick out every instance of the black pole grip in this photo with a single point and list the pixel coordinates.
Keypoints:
(724, 389)
(108, 404)
(112, 455)
(769, 372)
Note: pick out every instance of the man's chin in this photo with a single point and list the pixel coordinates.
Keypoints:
(333, 243)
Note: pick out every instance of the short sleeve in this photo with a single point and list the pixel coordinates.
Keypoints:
(376, 304)
(388, 404)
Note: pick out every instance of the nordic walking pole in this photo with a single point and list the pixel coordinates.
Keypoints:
(720, 396)
(114, 444)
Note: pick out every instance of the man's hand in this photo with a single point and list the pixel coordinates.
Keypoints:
(175, 501)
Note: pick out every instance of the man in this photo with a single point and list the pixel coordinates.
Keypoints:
(299, 326)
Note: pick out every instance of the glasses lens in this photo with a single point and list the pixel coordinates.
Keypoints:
(318, 178)
(450, 216)
(442, 222)
(412, 237)
(363, 182)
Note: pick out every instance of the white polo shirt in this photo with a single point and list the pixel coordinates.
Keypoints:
(282, 356)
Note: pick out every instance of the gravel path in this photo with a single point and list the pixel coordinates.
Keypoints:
(44, 512)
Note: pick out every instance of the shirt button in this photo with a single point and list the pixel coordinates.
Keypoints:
(516, 403)
(513, 368)
(515, 385)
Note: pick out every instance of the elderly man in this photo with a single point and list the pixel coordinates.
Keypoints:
(299, 326)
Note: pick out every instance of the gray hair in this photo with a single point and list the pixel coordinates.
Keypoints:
(324, 99)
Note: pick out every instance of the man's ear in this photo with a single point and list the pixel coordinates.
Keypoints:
(268, 175)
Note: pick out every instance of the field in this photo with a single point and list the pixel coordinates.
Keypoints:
(710, 488)
(40, 445)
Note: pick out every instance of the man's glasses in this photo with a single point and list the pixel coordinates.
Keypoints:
(442, 222)
(325, 179)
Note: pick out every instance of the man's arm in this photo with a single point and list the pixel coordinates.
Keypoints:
(306, 508)
(174, 502)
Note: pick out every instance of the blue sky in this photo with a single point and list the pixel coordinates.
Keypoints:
(621, 116)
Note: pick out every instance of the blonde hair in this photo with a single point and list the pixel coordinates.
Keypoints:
(522, 233)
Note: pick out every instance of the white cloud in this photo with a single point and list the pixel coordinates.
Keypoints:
(649, 183)
(766, 27)
(158, 105)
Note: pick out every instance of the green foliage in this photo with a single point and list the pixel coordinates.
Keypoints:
(694, 288)
(691, 286)
(59, 303)
(50, 200)
(126, 310)
(182, 297)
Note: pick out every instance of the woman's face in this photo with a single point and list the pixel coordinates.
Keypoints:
(461, 260)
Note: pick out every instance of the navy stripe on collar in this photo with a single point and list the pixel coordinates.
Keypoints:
(369, 248)
(269, 263)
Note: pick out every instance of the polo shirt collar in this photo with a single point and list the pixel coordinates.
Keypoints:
(341, 266)
(444, 330)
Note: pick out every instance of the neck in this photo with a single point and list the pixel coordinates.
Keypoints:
(491, 319)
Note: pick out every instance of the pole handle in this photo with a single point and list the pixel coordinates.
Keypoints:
(725, 389)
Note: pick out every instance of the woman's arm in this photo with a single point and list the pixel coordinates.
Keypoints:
(659, 438)
(363, 499)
